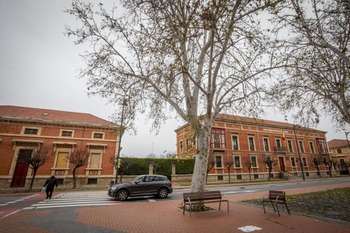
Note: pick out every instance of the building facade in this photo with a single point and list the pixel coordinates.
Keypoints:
(25, 130)
(340, 153)
(242, 148)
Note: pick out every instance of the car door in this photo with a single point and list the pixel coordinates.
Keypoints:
(154, 184)
(140, 187)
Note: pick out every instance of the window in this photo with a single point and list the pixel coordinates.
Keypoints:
(92, 181)
(278, 143)
(194, 139)
(181, 146)
(304, 162)
(31, 131)
(290, 146)
(292, 161)
(301, 146)
(95, 160)
(269, 162)
(237, 160)
(339, 151)
(188, 143)
(66, 133)
(251, 143)
(62, 159)
(218, 161)
(266, 144)
(312, 148)
(218, 138)
(254, 161)
(235, 142)
(98, 135)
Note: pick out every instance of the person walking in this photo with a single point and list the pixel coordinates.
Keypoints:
(50, 185)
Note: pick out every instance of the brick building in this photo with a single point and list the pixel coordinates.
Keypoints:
(246, 142)
(24, 130)
(340, 152)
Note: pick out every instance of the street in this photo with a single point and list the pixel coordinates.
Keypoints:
(95, 212)
(10, 204)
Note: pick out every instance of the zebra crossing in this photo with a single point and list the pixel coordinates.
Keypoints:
(76, 199)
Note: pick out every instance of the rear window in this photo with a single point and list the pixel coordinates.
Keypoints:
(159, 178)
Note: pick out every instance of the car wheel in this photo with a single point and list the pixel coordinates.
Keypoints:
(163, 193)
(122, 195)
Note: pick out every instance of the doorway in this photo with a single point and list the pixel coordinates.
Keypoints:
(281, 162)
(21, 170)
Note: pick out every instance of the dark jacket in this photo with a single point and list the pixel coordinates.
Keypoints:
(51, 183)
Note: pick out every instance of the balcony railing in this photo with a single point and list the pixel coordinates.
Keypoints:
(281, 149)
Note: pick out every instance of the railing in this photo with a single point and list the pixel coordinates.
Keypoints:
(280, 149)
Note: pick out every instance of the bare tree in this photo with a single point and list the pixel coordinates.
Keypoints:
(313, 45)
(270, 162)
(198, 58)
(39, 157)
(248, 162)
(78, 157)
(211, 165)
(329, 163)
(317, 161)
(229, 165)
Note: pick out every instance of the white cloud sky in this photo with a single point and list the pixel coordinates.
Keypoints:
(38, 68)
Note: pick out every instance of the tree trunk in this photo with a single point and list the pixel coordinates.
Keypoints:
(201, 162)
(32, 181)
(74, 177)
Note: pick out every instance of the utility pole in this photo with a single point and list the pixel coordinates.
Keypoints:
(121, 132)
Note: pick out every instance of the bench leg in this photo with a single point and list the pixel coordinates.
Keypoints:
(264, 207)
(190, 210)
(287, 207)
(277, 210)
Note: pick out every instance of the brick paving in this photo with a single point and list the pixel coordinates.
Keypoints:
(165, 217)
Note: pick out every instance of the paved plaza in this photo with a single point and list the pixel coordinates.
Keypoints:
(166, 217)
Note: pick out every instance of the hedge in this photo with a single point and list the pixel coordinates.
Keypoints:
(139, 166)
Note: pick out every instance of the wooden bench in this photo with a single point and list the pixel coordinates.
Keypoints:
(275, 198)
(202, 198)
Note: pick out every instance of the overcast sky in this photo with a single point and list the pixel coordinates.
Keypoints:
(39, 65)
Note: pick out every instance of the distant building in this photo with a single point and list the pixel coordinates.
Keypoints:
(340, 152)
(23, 129)
(247, 142)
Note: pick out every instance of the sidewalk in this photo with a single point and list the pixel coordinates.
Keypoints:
(165, 216)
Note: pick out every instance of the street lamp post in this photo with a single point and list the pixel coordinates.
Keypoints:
(121, 131)
(298, 150)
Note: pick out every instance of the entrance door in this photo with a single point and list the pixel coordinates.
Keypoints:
(20, 174)
(281, 161)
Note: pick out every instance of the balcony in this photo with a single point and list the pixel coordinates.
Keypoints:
(218, 146)
(280, 149)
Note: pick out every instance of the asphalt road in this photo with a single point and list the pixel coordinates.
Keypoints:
(10, 204)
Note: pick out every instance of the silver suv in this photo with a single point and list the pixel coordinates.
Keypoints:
(144, 185)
